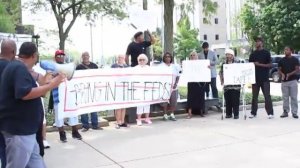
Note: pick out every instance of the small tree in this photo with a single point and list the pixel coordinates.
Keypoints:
(186, 39)
(157, 47)
(5, 21)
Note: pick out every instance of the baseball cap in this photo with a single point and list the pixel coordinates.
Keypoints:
(59, 52)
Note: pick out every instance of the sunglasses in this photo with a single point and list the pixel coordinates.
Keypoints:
(60, 56)
(141, 59)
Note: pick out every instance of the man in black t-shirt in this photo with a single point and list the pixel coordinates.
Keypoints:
(86, 64)
(21, 109)
(8, 53)
(137, 47)
(262, 61)
(288, 69)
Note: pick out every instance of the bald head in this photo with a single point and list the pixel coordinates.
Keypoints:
(8, 49)
(121, 59)
(85, 58)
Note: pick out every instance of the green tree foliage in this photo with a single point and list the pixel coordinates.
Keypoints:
(6, 24)
(157, 46)
(14, 9)
(186, 39)
(209, 8)
(277, 21)
(67, 11)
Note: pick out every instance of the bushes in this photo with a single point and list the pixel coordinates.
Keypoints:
(248, 96)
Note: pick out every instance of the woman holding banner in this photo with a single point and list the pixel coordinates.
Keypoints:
(168, 62)
(195, 95)
(140, 110)
(231, 92)
(120, 113)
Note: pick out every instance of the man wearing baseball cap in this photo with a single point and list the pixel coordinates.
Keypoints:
(54, 100)
(262, 61)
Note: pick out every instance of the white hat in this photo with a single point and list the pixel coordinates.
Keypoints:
(229, 51)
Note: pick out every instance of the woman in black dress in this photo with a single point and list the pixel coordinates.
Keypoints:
(195, 96)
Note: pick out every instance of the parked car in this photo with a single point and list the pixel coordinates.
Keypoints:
(242, 60)
(273, 72)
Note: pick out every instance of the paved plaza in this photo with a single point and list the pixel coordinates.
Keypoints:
(199, 142)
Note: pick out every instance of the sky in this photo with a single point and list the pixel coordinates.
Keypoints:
(109, 38)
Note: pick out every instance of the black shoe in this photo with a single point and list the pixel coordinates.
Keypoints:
(295, 116)
(284, 114)
(85, 129)
(62, 136)
(97, 128)
(123, 125)
(236, 117)
(228, 116)
(76, 135)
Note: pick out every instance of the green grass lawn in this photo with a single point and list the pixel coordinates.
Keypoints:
(248, 96)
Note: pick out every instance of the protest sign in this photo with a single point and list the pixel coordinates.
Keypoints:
(239, 74)
(195, 71)
(106, 89)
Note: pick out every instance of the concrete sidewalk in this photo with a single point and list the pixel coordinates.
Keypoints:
(199, 142)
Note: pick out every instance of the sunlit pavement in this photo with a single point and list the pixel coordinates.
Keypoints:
(199, 142)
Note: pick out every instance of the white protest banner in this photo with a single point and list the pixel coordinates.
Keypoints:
(107, 89)
(195, 71)
(239, 74)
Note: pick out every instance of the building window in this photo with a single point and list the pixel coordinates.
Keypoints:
(216, 21)
(217, 37)
(205, 37)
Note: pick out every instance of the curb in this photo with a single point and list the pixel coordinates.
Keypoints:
(102, 123)
(105, 122)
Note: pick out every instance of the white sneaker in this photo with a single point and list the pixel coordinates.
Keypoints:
(172, 117)
(270, 116)
(148, 121)
(252, 116)
(139, 122)
(46, 144)
(165, 117)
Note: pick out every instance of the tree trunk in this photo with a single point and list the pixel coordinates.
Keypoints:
(61, 44)
(62, 38)
(168, 25)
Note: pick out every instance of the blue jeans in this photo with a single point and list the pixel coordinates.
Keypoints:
(2, 151)
(85, 120)
(22, 151)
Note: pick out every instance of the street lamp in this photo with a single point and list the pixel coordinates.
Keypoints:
(36, 38)
(91, 22)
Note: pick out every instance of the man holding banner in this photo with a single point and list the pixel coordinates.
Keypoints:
(73, 121)
(262, 61)
(87, 64)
